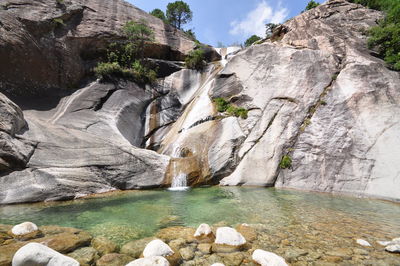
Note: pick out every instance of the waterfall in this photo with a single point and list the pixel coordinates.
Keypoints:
(179, 181)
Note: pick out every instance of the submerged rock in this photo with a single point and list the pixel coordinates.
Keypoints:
(40, 255)
(85, 256)
(265, 258)
(363, 242)
(393, 248)
(103, 245)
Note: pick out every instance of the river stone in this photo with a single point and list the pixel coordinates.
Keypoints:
(218, 264)
(204, 234)
(85, 256)
(395, 248)
(26, 231)
(363, 242)
(176, 232)
(150, 261)
(7, 252)
(136, 247)
(177, 243)
(157, 248)
(265, 258)
(103, 245)
(229, 236)
(204, 248)
(67, 242)
(40, 255)
(114, 259)
(249, 233)
(187, 253)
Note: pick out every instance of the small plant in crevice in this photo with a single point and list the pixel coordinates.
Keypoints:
(305, 124)
(58, 22)
(195, 60)
(335, 76)
(286, 162)
(223, 106)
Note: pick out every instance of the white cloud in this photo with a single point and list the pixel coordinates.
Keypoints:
(255, 20)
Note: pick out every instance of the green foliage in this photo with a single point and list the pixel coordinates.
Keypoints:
(223, 106)
(269, 29)
(158, 13)
(286, 162)
(125, 60)
(385, 37)
(60, 2)
(195, 60)
(191, 35)
(312, 4)
(59, 21)
(251, 40)
(178, 14)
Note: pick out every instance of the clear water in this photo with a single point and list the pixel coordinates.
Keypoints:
(136, 214)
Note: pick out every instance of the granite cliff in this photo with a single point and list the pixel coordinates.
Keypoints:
(314, 93)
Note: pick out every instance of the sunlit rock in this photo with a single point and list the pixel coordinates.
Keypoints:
(363, 242)
(150, 261)
(265, 258)
(157, 248)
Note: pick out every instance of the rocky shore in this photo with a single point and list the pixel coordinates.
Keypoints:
(26, 244)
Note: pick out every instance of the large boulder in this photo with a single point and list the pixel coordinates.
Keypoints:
(54, 44)
(265, 258)
(150, 261)
(40, 255)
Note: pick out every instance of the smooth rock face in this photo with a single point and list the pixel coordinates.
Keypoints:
(150, 261)
(65, 39)
(40, 255)
(265, 258)
(229, 236)
(157, 248)
(24, 228)
(85, 146)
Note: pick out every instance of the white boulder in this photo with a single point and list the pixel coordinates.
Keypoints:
(229, 236)
(150, 261)
(157, 248)
(393, 248)
(24, 228)
(395, 241)
(363, 243)
(203, 229)
(39, 255)
(266, 258)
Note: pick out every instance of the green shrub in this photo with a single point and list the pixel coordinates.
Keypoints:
(251, 40)
(158, 13)
(195, 60)
(143, 74)
(286, 162)
(110, 70)
(138, 72)
(312, 4)
(385, 37)
(223, 106)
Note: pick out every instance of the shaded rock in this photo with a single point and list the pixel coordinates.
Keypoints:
(136, 247)
(165, 68)
(12, 118)
(103, 245)
(265, 258)
(187, 253)
(85, 256)
(204, 248)
(157, 248)
(114, 259)
(150, 261)
(363, 242)
(40, 255)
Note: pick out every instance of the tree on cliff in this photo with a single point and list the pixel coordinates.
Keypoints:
(138, 33)
(312, 4)
(179, 13)
(251, 40)
(158, 13)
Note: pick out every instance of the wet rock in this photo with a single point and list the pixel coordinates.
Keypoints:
(363, 242)
(249, 233)
(7, 252)
(265, 258)
(40, 255)
(103, 245)
(177, 243)
(234, 258)
(292, 254)
(85, 256)
(150, 261)
(114, 259)
(393, 248)
(176, 232)
(157, 248)
(67, 242)
(136, 247)
(204, 234)
(187, 253)
(204, 248)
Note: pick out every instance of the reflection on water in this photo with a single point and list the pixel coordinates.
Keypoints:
(137, 214)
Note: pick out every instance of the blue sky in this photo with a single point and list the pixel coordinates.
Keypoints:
(230, 21)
